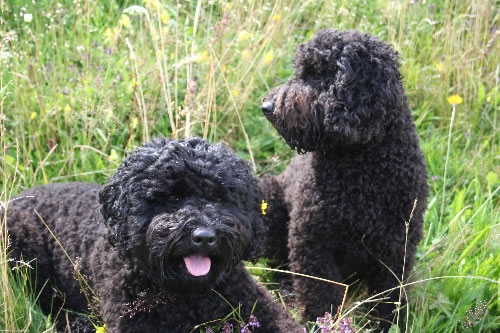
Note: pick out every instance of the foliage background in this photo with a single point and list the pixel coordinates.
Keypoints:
(83, 81)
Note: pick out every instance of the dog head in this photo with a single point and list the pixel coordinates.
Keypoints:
(187, 212)
(345, 91)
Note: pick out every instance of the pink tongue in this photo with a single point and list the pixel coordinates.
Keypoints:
(197, 265)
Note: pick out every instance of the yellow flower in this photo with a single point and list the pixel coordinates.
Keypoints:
(101, 329)
(244, 35)
(125, 21)
(276, 17)
(153, 4)
(134, 122)
(114, 157)
(246, 54)
(235, 92)
(109, 34)
(455, 99)
(268, 58)
(202, 56)
(33, 115)
(263, 207)
(439, 67)
(67, 110)
(164, 17)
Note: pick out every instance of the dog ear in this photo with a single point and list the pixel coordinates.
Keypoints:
(113, 209)
(346, 90)
(364, 96)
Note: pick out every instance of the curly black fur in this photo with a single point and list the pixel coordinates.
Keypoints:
(344, 201)
(168, 201)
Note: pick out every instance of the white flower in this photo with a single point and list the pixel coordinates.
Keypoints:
(28, 17)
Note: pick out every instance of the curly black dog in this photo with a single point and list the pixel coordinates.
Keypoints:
(347, 201)
(162, 243)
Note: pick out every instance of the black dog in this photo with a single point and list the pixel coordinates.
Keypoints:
(345, 202)
(161, 243)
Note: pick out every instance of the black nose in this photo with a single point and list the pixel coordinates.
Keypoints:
(203, 236)
(267, 107)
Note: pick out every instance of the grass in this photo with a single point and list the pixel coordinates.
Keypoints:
(84, 81)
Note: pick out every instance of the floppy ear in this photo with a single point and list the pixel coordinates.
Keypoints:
(364, 96)
(346, 90)
(114, 209)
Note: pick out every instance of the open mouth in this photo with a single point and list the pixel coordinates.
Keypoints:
(198, 265)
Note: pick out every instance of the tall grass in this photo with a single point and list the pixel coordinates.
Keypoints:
(84, 81)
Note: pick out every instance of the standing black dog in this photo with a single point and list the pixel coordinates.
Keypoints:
(161, 243)
(345, 203)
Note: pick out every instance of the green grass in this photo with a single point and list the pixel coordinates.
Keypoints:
(82, 83)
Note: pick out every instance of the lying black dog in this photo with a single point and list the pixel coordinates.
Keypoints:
(161, 243)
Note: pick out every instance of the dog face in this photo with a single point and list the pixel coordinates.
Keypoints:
(345, 91)
(186, 211)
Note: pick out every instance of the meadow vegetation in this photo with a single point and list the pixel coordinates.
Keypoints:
(82, 82)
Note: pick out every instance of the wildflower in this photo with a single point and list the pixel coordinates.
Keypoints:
(28, 17)
(439, 67)
(125, 21)
(244, 329)
(253, 321)
(110, 34)
(153, 4)
(435, 178)
(268, 58)
(134, 122)
(263, 207)
(345, 326)
(202, 56)
(164, 17)
(67, 111)
(244, 35)
(227, 327)
(325, 323)
(114, 157)
(276, 17)
(209, 330)
(455, 99)
(235, 92)
(246, 54)
(101, 329)
(33, 115)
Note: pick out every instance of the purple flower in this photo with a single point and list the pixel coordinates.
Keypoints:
(209, 330)
(244, 329)
(325, 323)
(253, 322)
(227, 327)
(435, 178)
(345, 326)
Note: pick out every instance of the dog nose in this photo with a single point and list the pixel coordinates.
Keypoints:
(203, 236)
(267, 107)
